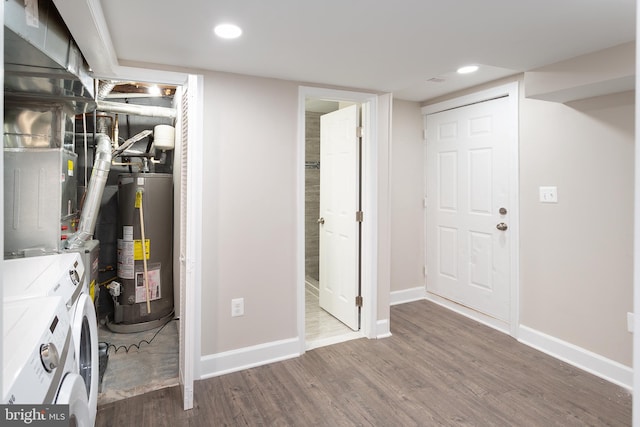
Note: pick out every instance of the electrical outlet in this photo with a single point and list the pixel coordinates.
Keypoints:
(549, 194)
(237, 307)
(630, 322)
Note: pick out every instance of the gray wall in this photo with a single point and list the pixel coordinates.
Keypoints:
(249, 211)
(407, 195)
(249, 202)
(576, 263)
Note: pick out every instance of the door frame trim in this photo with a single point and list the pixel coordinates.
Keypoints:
(369, 232)
(511, 90)
(191, 316)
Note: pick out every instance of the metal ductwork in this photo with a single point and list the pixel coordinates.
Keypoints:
(41, 59)
(98, 181)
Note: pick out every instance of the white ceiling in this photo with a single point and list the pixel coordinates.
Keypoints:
(382, 45)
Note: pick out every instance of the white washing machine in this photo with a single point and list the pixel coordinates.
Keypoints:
(39, 365)
(56, 274)
(61, 275)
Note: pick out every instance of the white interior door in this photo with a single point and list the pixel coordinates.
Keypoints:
(468, 206)
(339, 202)
(189, 164)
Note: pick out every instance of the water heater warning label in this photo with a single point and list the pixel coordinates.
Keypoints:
(128, 253)
(137, 249)
(153, 274)
(125, 259)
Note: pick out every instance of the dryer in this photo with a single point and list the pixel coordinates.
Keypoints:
(61, 275)
(39, 364)
(56, 274)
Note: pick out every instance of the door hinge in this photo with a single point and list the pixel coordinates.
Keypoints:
(359, 301)
(359, 132)
(359, 216)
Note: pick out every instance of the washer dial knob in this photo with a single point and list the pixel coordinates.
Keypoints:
(75, 277)
(49, 356)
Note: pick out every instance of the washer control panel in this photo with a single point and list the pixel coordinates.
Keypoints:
(56, 274)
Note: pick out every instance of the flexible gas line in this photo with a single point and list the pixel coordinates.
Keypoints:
(139, 192)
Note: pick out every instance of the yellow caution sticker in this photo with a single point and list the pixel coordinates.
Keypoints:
(137, 249)
(138, 199)
(70, 167)
(92, 290)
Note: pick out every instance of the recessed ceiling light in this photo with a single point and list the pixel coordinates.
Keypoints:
(228, 31)
(468, 69)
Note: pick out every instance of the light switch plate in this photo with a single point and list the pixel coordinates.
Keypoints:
(549, 194)
(237, 307)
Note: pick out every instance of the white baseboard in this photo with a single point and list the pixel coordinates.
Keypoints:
(492, 322)
(579, 357)
(383, 329)
(249, 357)
(214, 365)
(408, 295)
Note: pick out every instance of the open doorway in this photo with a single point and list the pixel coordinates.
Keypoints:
(173, 344)
(332, 244)
(139, 347)
(375, 115)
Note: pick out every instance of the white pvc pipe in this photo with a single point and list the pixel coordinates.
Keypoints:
(136, 110)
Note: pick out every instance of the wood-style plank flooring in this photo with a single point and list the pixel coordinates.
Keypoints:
(438, 369)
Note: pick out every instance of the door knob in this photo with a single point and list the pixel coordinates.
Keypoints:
(502, 226)
(320, 220)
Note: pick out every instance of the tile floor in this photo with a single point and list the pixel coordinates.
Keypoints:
(321, 328)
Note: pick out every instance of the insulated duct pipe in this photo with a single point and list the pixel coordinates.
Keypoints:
(105, 87)
(137, 110)
(98, 180)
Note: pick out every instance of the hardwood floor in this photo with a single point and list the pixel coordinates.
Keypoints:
(438, 368)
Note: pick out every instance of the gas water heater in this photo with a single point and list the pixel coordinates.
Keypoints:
(145, 245)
